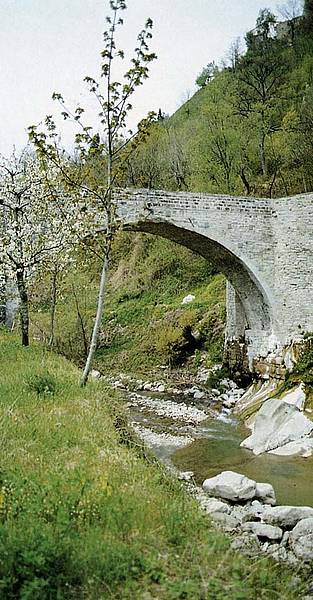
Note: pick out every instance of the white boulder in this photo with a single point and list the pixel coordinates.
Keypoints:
(266, 493)
(263, 531)
(303, 447)
(230, 486)
(301, 540)
(286, 516)
(227, 522)
(276, 424)
(212, 505)
(296, 397)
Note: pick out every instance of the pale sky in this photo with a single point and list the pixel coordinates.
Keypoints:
(50, 45)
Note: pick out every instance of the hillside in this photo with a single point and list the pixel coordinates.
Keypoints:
(247, 131)
(145, 324)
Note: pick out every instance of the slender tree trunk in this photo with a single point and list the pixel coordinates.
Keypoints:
(105, 266)
(54, 282)
(24, 312)
(81, 322)
(245, 181)
(96, 328)
(262, 152)
(272, 183)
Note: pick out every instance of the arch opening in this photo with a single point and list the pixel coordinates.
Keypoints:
(251, 312)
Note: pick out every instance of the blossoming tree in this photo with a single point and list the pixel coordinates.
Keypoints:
(40, 223)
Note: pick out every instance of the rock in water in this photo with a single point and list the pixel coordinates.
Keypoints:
(303, 447)
(277, 423)
(301, 539)
(230, 486)
(265, 492)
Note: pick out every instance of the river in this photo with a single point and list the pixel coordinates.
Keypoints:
(209, 444)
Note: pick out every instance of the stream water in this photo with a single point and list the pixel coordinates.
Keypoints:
(207, 442)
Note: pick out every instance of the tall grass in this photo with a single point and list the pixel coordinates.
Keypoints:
(84, 513)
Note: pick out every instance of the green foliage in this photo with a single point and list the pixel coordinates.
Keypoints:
(215, 377)
(304, 365)
(308, 15)
(207, 74)
(248, 130)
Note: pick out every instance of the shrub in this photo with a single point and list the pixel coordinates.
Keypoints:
(42, 384)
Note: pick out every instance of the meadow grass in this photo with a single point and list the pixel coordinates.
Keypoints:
(86, 512)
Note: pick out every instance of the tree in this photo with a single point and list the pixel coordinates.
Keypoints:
(308, 15)
(146, 167)
(207, 75)
(108, 145)
(260, 76)
(36, 221)
(235, 52)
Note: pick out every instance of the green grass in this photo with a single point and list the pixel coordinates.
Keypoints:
(85, 513)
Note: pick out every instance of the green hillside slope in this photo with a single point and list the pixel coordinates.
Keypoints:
(145, 323)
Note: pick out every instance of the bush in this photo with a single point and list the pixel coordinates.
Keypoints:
(42, 384)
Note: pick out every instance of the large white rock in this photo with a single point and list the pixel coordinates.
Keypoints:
(227, 522)
(212, 505)
(296, 397)
(230, 486)
(277, 423)
(303, 447)
(266, 493)
(286, 516)
(254, 396)
(301, 539)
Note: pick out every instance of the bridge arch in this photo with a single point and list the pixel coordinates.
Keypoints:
(263, 246)
(255, 310)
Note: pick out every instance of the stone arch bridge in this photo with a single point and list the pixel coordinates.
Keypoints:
(263, 246)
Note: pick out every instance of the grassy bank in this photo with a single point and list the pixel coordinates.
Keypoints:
(84, 514)
(144, 323)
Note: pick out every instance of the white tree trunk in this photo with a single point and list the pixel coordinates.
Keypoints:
(95, 333)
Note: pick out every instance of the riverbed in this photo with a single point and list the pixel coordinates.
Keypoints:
(209, 444)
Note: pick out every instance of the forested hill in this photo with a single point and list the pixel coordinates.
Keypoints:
(249, 128)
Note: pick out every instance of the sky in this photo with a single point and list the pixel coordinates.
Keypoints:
(51, 45)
